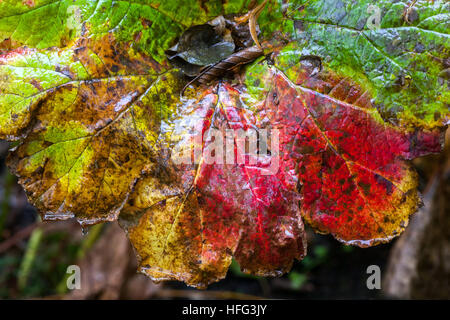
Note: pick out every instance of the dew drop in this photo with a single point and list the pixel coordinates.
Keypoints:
(85, 230)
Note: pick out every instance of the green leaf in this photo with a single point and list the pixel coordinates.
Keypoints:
(402, 62)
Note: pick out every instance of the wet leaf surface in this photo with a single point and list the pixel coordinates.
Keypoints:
(96, 114)
(201, 45)
(350, 165)
(203, 215)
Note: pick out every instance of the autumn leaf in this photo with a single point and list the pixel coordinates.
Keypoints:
(97, 117)
(85, 129)
(401, 62)
(350, 165)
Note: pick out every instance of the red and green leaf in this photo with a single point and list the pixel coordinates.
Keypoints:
(352, 175)
(186, 222)
(95, 113)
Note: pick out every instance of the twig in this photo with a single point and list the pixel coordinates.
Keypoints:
(17, 237)
(252, 17)
(25, 233)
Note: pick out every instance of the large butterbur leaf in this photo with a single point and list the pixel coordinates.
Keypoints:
(103, 126)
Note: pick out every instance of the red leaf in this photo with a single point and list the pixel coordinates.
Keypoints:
(353, 178)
